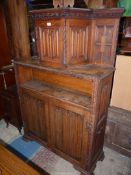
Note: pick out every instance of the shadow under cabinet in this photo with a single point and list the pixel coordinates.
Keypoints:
(11, 107)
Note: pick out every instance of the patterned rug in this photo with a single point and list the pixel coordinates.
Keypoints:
(34, 153)
(43, 159)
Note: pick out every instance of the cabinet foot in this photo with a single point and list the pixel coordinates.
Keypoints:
(84, 172)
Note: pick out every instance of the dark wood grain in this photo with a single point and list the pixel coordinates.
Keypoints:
(16, 13)
(5, 58)
(11, 105)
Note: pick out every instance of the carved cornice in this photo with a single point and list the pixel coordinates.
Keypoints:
(76, 13)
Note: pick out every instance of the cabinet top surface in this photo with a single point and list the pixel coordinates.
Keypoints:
(76, 13)
(88, 71)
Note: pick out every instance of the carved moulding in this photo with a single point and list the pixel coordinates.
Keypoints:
(63, 3)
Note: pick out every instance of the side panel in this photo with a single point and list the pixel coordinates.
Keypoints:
(100, 115)
(105, 34)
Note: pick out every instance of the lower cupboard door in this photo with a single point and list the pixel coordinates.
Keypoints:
(34, 114)
(67, 131)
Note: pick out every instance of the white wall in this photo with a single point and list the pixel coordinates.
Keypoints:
(121, 92)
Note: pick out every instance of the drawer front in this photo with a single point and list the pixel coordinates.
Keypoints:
(122, 137)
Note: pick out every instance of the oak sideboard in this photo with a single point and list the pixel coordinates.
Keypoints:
(65, 92)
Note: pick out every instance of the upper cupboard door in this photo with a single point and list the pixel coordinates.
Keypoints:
(77, 41)
(104, 41)
(49, 35)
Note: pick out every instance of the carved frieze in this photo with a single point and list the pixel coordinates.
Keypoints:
(75, 13)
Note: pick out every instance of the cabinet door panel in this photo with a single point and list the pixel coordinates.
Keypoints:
(104, 44)
(50, 44)
(34, 115)
(104, 38)
(67, 130)
(77, 41)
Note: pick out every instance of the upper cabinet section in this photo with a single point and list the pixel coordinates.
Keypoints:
(66, 37)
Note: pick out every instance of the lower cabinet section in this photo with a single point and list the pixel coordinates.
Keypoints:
(59, 125)
(69, 122)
